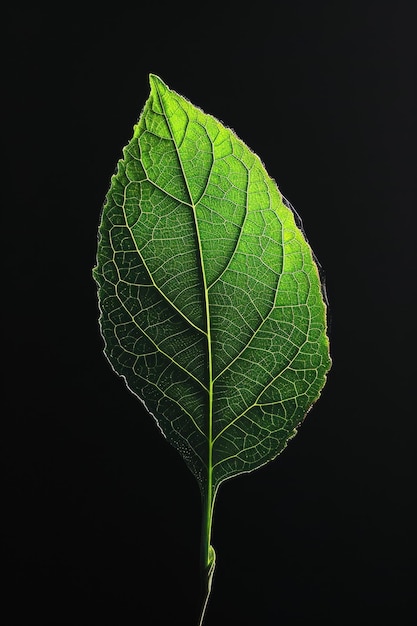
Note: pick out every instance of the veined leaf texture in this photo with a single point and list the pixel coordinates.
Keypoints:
(211, 304)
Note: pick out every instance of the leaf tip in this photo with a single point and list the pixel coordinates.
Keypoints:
(156, 83)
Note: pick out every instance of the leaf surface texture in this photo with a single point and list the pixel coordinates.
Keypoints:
(210, 298)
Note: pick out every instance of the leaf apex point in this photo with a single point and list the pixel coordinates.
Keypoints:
(155, 81)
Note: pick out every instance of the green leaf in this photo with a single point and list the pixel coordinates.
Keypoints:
(211, 301)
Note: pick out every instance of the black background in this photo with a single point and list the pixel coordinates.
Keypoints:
(102, 517)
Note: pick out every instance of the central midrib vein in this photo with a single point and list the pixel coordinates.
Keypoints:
(208, 497)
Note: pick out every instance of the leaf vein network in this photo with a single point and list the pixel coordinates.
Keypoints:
(154, 283)
(256, 402)
(152, 341)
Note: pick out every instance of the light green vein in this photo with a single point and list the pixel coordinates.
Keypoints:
(154, 284)
(253, 337)
(210, 491)
(256, 402)
(165, 354)
(238, 238)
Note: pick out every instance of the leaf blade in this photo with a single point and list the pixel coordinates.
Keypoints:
(210, 297)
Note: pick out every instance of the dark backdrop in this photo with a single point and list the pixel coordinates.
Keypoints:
(102, 517)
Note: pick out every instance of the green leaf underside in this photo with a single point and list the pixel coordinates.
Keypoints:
(210, 299)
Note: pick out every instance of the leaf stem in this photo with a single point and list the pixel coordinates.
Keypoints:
(208, 555)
